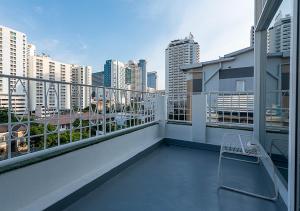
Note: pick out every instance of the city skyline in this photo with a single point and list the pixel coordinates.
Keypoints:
(49, 25)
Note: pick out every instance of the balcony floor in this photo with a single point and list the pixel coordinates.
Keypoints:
(175, 178)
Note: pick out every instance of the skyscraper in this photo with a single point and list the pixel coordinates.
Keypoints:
(279, 35)
(114, 74)
(143, 74)
(178, 53)
(152, 80)
(81, 95)
(13, 58)
(138, 75)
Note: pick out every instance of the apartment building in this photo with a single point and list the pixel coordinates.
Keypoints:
(279, 35)
(13, 56)
(179, 52)
(81, 95)
(45, 95)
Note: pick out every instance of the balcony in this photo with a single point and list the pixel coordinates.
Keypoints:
(128, 150)
(170, 177)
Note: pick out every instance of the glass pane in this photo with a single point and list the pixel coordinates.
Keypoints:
(277, 88)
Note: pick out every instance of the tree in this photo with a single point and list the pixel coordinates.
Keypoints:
(4, 116)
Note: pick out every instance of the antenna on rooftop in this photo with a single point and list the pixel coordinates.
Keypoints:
(191, 36)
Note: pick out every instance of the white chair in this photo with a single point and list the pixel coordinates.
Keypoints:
(244, 148)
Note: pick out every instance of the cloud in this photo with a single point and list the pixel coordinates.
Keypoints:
(218, 26)
(72, 52)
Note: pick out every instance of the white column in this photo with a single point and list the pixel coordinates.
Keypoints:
(199, 118)
(260, 63)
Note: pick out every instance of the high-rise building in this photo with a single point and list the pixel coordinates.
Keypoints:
(81, 95)
(44, 67)
(98, 78)
(143, 74)
(152, 80)
(178, 53)
(136, 76)
(126, 76)
(279, 35)
(13, 61)
(114, 74)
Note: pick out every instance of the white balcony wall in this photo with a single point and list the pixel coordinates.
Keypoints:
(54, 179)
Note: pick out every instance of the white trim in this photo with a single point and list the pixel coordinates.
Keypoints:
(294, 111)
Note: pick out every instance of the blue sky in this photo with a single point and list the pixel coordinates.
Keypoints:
(91, 31)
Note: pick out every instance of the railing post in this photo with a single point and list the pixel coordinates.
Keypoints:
(161, 112)
(71, 111)
(9, 118)
(45, 115)
(28, 115)
(104, 111)
(58, 115)
(209, 107)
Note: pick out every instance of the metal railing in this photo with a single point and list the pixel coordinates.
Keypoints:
(38, 114)
(179, 107)
(229, 108)
(236, 108)
(277, 109)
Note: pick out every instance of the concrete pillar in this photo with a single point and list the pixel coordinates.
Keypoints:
(199, 118)
(260, 68)
(260, 62)
(161, 113)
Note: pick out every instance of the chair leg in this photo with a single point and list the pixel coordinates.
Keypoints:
(220, 170)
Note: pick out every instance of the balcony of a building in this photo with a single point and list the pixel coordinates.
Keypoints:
(131, 150)
(128, 150)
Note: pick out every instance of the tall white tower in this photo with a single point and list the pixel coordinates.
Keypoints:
(279, 35)
(13, 61)
(178, 53)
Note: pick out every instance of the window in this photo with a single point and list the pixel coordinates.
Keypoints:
(240, 85)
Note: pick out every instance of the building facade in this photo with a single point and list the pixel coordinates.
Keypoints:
(81, 95)
(179, 52)
(279, 35)
(45, 97)
(13, 61)
(114, 74)
(152, 80)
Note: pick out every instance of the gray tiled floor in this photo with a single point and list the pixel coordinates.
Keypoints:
(176, 178)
